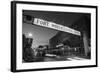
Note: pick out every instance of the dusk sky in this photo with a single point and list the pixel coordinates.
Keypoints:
(40, 36)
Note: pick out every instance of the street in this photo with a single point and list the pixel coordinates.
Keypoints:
(60, 58)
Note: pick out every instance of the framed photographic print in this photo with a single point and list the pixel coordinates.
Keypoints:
(47, 36)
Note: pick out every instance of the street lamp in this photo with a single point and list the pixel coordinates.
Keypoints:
(30, 35)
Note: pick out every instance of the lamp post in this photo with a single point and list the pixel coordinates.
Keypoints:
(30, 35)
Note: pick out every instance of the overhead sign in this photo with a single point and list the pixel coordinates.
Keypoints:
(52, 25)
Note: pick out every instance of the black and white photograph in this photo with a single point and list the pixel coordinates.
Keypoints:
(56, 36)
(47, 36)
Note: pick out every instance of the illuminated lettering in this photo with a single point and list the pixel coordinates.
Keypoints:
(52, 25)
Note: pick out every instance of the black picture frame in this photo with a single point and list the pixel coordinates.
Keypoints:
(14, 35)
